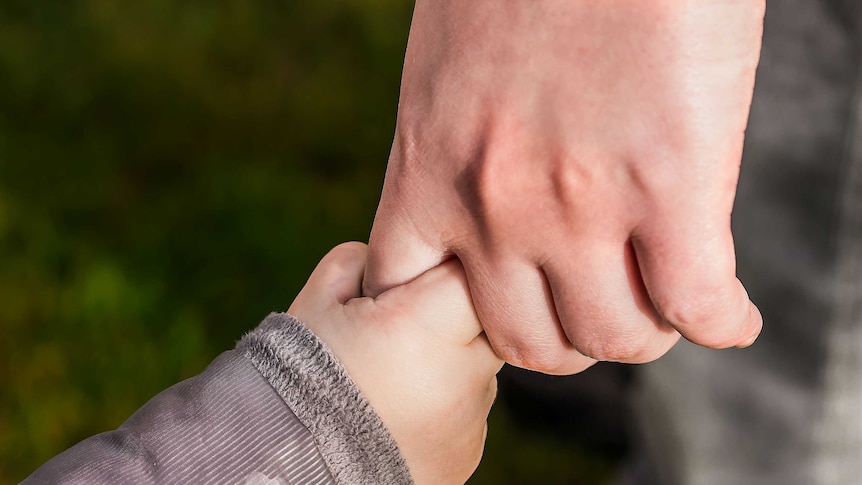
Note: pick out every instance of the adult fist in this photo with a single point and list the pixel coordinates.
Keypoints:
(581, 160)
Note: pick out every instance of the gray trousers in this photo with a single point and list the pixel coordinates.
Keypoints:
(789, 409)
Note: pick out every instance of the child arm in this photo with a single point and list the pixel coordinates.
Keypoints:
(282, 407)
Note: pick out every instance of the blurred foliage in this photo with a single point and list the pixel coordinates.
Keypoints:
(169, 173)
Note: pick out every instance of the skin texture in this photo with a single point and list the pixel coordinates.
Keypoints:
(418, 354)
(580, 158)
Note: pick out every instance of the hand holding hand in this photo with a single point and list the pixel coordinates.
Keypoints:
(417, 353)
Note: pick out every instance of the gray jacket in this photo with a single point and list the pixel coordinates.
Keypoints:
(278, 409)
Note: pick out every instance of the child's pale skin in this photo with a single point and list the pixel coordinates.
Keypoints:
(417, 352)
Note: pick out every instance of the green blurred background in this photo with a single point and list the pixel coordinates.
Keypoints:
(172, 171)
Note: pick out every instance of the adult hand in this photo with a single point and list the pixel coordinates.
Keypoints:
(581, 160)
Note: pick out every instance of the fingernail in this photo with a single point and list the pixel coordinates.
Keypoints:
(748, 342)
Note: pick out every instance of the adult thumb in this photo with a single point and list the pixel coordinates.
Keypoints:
(397, 253)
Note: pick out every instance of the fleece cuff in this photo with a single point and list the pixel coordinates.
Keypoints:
(352, 439)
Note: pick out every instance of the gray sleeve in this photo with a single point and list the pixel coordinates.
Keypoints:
(249, 418)
(351, 437)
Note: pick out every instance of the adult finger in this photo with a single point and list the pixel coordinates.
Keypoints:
(603, 305)
(516, 308)
(397, 253)
(690, 275)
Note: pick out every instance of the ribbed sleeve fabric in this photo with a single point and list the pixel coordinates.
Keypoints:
(352, 439)
(278, 410)
(224, 426)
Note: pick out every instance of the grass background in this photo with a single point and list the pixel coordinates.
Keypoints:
(172, 171)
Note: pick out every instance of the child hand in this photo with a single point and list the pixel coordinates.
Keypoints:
(418, 354)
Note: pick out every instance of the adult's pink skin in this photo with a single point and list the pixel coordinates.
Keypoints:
(580, 158)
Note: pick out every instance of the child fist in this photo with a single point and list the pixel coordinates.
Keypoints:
(418, 354)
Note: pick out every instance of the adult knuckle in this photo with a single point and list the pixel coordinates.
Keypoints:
(612, 349)
(536, 359)
(693, 310)
(704, 318)
(626, 352)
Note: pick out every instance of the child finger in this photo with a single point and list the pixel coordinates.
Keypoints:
(337, 277)
(484, 355)
(439, 300)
